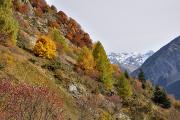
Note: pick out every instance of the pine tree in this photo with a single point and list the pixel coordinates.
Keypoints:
(141, 77)
(103, 65)
(8, 25)
(126, 74)
(160, 97)
(124, 87)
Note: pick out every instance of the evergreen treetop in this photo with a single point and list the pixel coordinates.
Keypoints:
(141, 77)
(126, 74)
(160, 97)
(103, 65)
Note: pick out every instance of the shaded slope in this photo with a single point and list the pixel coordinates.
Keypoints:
(163, 67)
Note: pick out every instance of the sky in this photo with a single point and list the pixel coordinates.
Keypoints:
(126, 25)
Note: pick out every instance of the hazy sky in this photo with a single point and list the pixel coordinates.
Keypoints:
(126, 25)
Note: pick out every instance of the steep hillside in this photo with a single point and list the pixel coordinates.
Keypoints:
(163, 67)
(51, 70)
(129, 61)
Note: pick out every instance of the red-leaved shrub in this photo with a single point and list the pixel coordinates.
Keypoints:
(74, 31)
(22, 8)
(22, 102)
(53, 24)
(38, 11)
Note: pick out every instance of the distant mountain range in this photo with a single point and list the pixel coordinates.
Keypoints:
(163, 67)
(129, 61)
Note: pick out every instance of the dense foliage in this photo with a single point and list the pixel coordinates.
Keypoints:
(86, 60)
(103, 65)
(9, 27)
(124, 87)
(160, 97)
(45, 47)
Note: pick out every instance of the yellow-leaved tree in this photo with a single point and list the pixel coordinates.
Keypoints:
(86, 60)
(45, 47)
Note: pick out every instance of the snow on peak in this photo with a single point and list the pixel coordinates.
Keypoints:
(129, 59)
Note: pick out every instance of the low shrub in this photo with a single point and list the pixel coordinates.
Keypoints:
(53, 24)
(53, 8)
(22, 8)
(60, 39)
(53, 65)
(1, 66)
(23, 102)
(105, 116)
(177, 105)
(38, 12)
(32, 60)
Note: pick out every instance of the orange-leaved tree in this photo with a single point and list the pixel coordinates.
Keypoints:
(45, 47)
(86, 60)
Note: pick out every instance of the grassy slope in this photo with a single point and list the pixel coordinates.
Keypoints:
(18, 68)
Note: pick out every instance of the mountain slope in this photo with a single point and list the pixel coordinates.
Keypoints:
(163, 67)
(51, 72)
(129, 61)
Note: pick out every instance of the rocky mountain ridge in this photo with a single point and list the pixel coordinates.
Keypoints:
(129, 61)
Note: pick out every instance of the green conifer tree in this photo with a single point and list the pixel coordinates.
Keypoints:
(126, 74)
(141, 77)
(160, 97)
(8, 26)
(103, 65)
(124, 87)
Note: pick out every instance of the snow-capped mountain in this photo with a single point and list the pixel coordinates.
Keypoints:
(129, 61)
